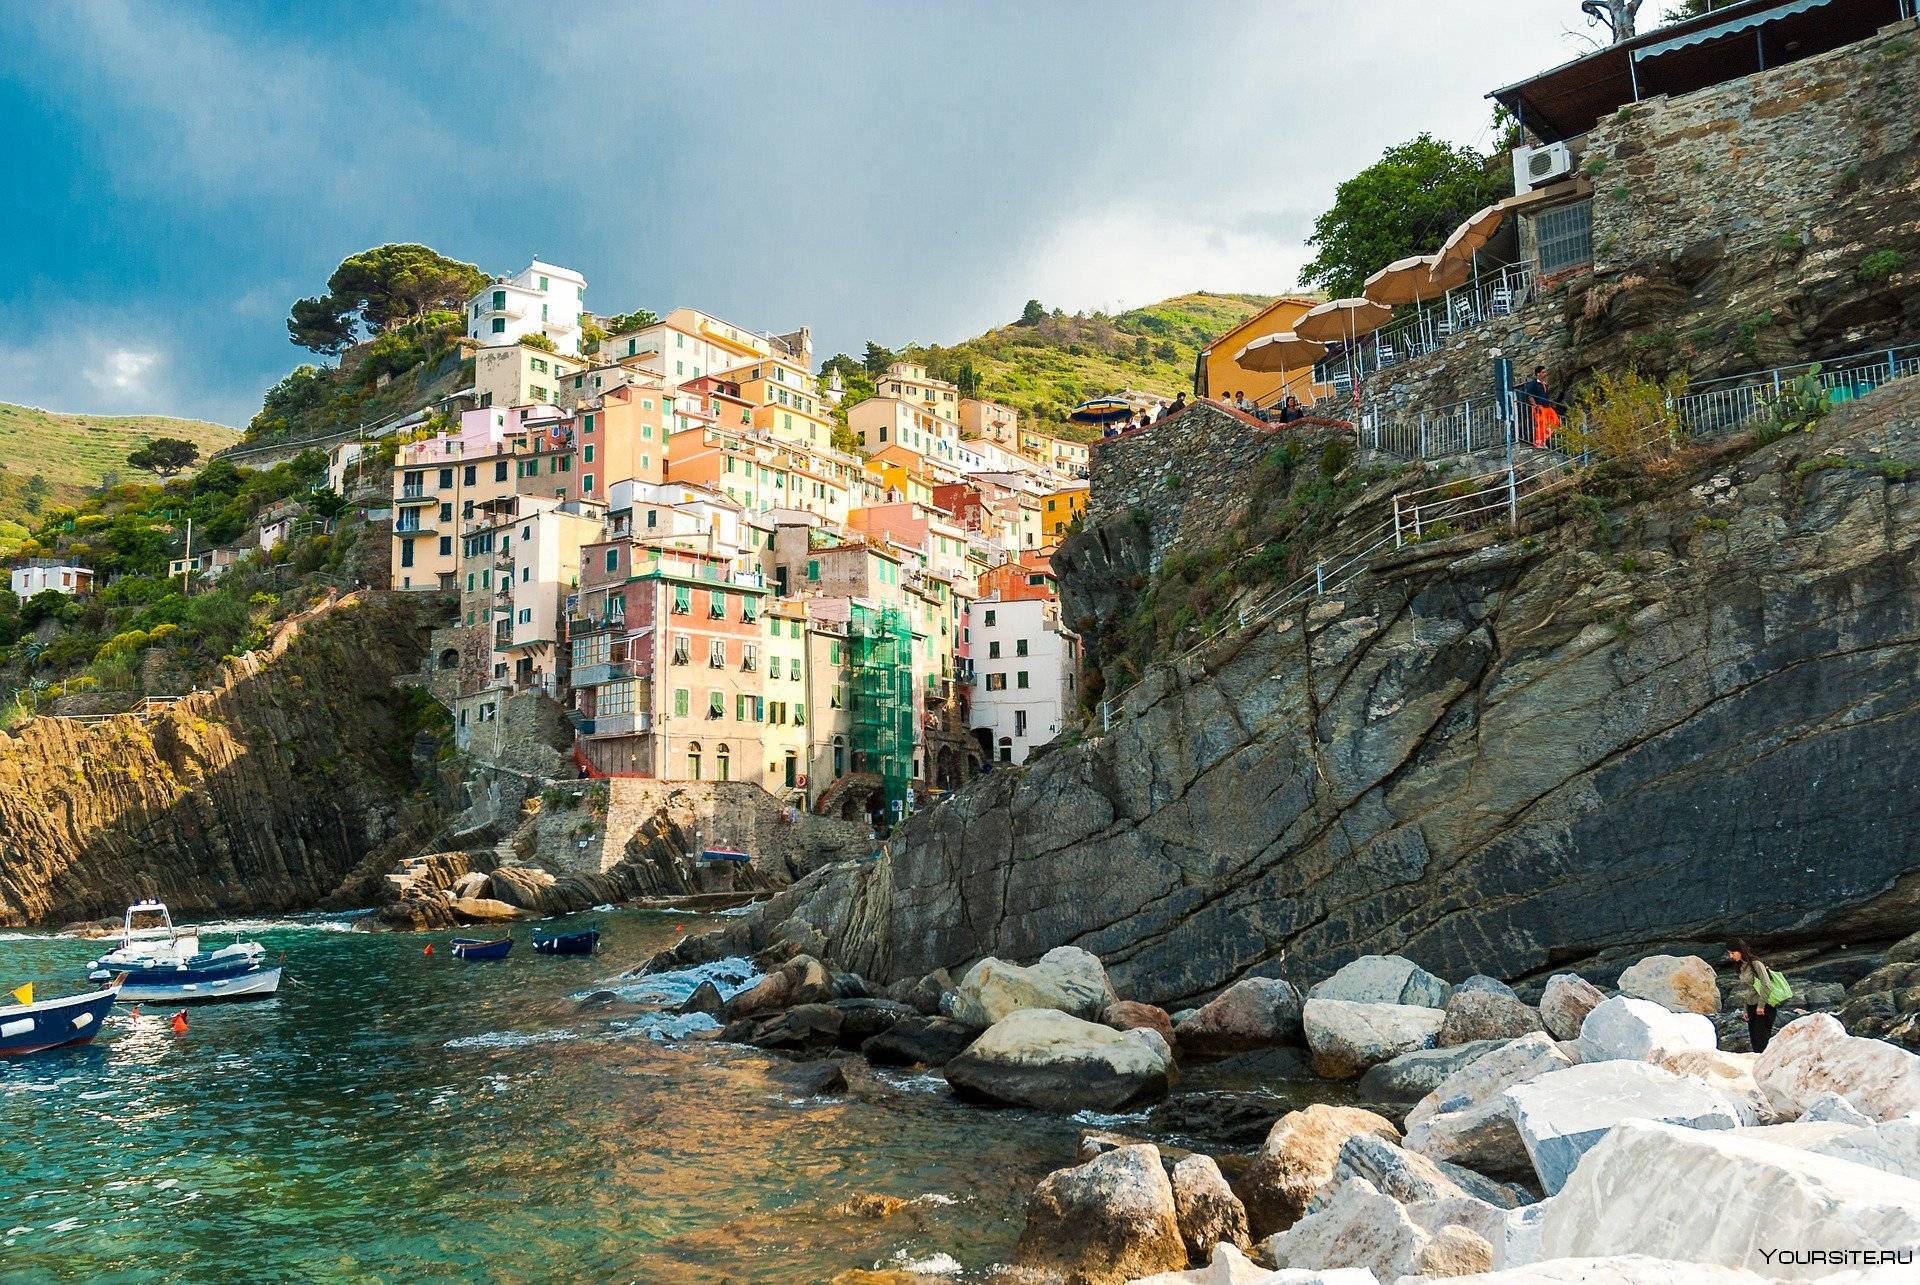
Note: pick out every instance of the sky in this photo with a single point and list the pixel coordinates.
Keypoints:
(904, 171)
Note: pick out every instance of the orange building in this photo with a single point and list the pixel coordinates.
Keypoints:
(1030, 576)
(1216, 375)
(621, 436)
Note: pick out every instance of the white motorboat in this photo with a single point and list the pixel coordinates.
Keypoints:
(160, 962)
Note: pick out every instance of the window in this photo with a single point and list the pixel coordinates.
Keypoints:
(446, 479)
(773, 666)
(750, 657)
(682, 649)
(499, 326)
(446, 546)
(586, 453)
(693, 761)
(1020, 723)
(613, 559)
(406, 553)
(996, 682)
(682, 599)
(799, 712)
(586, 484)
(776, 711)
(722, 764)
(468, 475)
(993, 650)
(614, 698)
(500, 471)
(543, 283)
(1006, 749)
(499, 299)
(1566, 237)
(716, 653)
(1019, 646)
(989, 617)
(586, 421)
(539, 366)
(716, 704)
(717, 605)
(681, 697)
(1020, 679)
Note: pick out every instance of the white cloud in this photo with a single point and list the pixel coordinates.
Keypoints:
(122, 372)
(90, 365)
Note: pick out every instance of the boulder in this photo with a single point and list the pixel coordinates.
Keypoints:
(1383, 979)
(1206, 1209)
(1677, 983)
(804, 1028)
(1488, 985)
(1893, 1147)
(1565, 1003)
(801, 979)
(474, 883)
(919, 1041)
(1254, 1012)
(1132, 1015)
(706, 998)
(1731, 1073)
(1053, 1061)
(1297, 1159)
(1473, 1016)
(1718, 1196)
(1456, 1251)
(1105, 1222)
(1814, 1055)
(1831, 1108)
(1229, 1266)
(1409, 1177)
(864, 1019)
(1628, 1028)
(1348, 1036)
(1467, 1121)
(1219, 1119)
(1885, 1004)
(526, 887)
(1564, 1114)
(482, 910)
(1412, 1076)
(1357, 1226)
(1066, 978)
(1097, 1142)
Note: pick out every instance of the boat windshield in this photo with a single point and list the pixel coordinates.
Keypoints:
(149, 923)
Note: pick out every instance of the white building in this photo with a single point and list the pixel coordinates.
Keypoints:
(1025, 670)
(541, 299)
(42, 574)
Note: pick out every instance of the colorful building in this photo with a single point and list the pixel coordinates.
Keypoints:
(1216, 375)
(1061, 509)
(540, 299)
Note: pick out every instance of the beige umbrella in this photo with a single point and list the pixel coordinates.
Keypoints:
(1279, 353)
(1337, 319)
(1469, 237)
(1404, 281)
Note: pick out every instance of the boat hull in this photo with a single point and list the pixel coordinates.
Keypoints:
(580, 943)
(54, 1023)
(262, 983)
(465, 948)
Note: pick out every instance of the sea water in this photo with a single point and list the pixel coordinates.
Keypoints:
(397, 1115)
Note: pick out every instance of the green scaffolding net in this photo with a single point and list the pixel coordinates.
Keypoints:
(880, 643)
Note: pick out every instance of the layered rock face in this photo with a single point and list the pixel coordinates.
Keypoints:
(1646, 724)
(261, 794)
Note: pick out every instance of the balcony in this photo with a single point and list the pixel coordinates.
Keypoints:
(605, 725)
(416, 526)
(577, 624)
(503, 634)
(606, 672)
(413, 494)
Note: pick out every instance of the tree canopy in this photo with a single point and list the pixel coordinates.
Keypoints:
(1404, 203)
(1033, 314)
(625, 321)
(164, 456)
(378, 289)
(876, 359)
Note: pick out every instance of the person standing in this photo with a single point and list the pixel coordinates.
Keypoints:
(1766, 991)
(1542, 418)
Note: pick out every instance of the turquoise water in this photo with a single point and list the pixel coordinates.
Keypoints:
(396, 1116)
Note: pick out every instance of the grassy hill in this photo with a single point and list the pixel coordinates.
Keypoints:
(1042, 369)
(73, 453)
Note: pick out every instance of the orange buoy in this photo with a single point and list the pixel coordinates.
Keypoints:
(677, 928)
(428, 950)
(180, 1022)
(135, 1012)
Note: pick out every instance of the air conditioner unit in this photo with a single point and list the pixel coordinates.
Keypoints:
(1536, 166)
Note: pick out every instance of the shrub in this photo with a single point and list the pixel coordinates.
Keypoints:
(1623, 415)
(1880, 266)
(1801, 403)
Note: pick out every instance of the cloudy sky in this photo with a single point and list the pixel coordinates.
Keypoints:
(181, 172)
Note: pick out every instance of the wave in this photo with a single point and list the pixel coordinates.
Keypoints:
(738, 911)
(509, 1039)
(1100, 1121)
(932, 1265)
(730, 976)
(244, 927)
(669, 1026)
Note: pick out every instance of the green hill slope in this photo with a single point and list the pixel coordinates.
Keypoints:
(72, 453)
(1042, 369)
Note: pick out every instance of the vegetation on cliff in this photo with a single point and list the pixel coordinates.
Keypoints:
(49, 459)
(1044, 363)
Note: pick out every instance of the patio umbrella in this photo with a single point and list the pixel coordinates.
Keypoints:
(1469, 237)
(1279, 353)
(1100, 410)
(1346, 320)
(1403, 281)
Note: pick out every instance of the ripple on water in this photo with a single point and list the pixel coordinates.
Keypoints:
(510, 1039)
(729, 976)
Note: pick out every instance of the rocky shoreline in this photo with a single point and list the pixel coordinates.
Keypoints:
(1614, 1135)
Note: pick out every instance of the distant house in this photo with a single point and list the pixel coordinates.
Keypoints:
(41, 574)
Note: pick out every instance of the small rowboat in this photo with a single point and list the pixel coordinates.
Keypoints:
(584, 942)
(72, 1019)
(474, 948)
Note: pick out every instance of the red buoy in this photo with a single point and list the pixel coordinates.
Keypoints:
(135, 1012)
(180, 1022)
(428, 950)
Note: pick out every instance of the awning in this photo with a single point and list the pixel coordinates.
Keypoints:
(1746, 22)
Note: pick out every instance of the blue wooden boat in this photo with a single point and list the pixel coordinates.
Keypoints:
(583, 942)
(51, 1023)
(475, 948)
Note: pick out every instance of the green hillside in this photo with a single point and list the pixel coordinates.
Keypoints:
(1046, 362)
(71, 454)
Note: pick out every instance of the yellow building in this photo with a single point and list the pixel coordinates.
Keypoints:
(910, 382)
(990, 422)
(786, 741)
(1215, 374)
(1058, 510)
(518, 375)
(785, 400)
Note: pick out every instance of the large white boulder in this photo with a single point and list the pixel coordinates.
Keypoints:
(1298, 1158)
(1623, 1269)
(1677, 983)
(1565, 1003)
(1563, 1115)
(1731, 1073)
(1814, 1055)
(1893, 1147)
(1624, 1027)
(1722, 1197)
(1467, 1119)
(1105, 1222)
(1383, 979)
(1347, 1037)
(1043, 1058)
(1357, 1226)
(1065, 978)
(1253, 1013)
(1229, 1266)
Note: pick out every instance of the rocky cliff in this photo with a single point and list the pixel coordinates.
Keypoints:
(260, 794)
(1685, 706)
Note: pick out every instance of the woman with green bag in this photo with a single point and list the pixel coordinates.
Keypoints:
(1768, 990)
